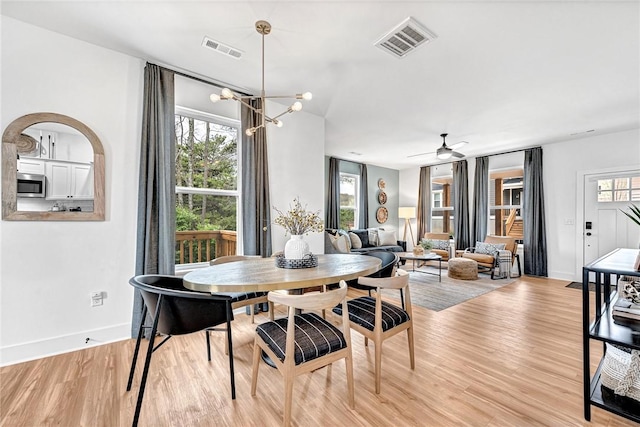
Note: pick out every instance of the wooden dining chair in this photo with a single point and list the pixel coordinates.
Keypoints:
(379, 320)
(302, 343)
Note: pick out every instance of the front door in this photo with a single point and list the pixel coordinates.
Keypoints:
(605, 226)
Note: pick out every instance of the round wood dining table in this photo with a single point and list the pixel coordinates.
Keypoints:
(262, 274)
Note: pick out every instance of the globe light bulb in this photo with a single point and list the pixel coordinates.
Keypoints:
(214, 97)
(297, 106)
(307, 96)
(279, 123)
(226, 93)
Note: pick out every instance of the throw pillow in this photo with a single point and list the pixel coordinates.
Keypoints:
(387, 238)
(356, 243)
(342, 243)
(373, 236)
(440, 244)
(489, 248)
(364, 237)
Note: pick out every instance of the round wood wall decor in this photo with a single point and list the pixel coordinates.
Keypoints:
(381, 184)
(382, 197)
(382, 214)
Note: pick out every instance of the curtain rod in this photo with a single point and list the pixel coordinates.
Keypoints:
(201, 79)
(486, 155)
(509, 152)
(345, 160)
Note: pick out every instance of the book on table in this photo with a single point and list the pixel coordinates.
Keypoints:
(626, 310)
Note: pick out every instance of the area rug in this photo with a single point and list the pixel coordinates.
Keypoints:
(427, 292)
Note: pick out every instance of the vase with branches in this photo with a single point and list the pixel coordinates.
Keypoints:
(297, 221)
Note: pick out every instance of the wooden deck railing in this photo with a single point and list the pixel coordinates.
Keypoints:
(204, 245)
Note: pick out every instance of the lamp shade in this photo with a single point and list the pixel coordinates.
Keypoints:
(407, 212)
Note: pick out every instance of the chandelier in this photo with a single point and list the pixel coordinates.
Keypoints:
(264, 28)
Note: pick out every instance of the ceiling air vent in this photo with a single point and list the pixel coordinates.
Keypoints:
(405, 38)
(221, 48)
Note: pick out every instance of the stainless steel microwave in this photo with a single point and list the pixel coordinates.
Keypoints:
(31, 185)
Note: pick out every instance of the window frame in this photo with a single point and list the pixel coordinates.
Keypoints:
(225, 121)
(442, 209)
(491, 217)
(613, 190)
(357, 209)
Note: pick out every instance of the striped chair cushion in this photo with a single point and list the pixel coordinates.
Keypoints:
(314, 337)
(242, 296)
(362, 311)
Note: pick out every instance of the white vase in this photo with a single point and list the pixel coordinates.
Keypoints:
(296, 247)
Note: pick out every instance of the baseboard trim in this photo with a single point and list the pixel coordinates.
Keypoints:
(24, 352)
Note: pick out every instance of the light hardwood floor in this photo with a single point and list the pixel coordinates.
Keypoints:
(512, 357)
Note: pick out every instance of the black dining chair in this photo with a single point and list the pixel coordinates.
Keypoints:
(176, 310)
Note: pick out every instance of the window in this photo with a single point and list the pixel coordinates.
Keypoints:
(206, 183)
(349, 201)
(505, 203)
(622, 189)
(442, 199)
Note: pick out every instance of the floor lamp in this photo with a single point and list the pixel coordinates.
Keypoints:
(407, 213)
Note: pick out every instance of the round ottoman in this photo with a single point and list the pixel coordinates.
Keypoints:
(463, 269)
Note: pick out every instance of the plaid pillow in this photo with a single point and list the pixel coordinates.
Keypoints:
(440, 244)
(489, 248)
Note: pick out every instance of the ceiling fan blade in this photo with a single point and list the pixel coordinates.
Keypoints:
(421, 154)
(458, 145)
(456, 154)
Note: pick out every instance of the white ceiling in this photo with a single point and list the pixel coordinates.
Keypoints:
(501, 75)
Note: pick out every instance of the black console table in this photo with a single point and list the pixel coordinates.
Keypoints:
(607, 270)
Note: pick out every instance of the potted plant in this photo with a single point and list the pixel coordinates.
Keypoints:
(426, 245)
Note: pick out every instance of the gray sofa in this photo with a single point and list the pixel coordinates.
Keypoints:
(366, 247)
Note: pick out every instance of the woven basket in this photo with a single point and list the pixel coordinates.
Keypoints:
(308, 261)
(621, 376)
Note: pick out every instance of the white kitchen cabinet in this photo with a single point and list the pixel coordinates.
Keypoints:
(31, 166)
(68, 180)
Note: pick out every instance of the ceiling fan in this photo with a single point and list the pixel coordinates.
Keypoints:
(445, 152)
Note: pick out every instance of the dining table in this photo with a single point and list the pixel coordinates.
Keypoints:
(262, 274)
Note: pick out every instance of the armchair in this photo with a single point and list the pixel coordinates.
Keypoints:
(444, 253)
(490, 261)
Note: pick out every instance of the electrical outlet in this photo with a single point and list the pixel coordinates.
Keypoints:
(96, 299)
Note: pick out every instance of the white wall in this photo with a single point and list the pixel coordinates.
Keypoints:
(562, 162)
(49, 268)
(296, 168)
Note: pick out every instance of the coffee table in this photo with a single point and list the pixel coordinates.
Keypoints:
(424, 257)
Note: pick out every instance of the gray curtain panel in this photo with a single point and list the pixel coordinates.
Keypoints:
(424, 202)
(481, 199)
(461, 226)
(256, 205)
(155, 238)
(535, 237)
(364, 198)
(333, 203)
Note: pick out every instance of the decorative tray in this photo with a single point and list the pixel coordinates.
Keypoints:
(308, 261)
